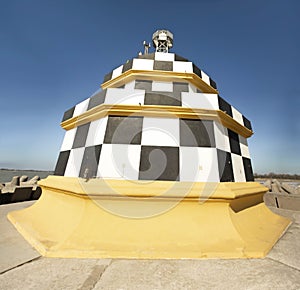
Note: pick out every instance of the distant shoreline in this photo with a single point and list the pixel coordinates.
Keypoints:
(6, 175)
(35, 170)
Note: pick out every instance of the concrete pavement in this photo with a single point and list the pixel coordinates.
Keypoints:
(23, 268)
(14, 250)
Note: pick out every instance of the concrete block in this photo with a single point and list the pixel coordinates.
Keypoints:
(283, 201)
(21, 194)
(288, 188)
(14, 182)
(5, 198)
(36, 193)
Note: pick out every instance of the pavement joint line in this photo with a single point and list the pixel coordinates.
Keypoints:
(90, 282)
(279, 262)
(20, 265)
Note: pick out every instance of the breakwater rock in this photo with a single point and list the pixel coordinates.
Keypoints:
(282, 194)
(20, 189)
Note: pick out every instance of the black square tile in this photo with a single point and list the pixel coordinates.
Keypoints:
(97, 99)
(127, 66)
(225, 166)
(143, 85)
(224, 106)
(163, 65)
(159, 163)
(212, 83)
(81, 135)
(197, 71)
(107, 77)
(68, 114)
(123, 130)
(163, 99)
(247, 123)
(197, 133)
(61, 163)
(248, 169)
(90, 161)
(234, 142)
(180, 87)
(179, 58)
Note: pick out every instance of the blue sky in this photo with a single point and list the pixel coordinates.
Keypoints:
(54, 54)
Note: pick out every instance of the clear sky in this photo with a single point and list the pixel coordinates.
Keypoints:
(55, 53)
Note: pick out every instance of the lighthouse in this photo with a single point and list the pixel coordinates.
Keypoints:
(154, 164)
(157, 117)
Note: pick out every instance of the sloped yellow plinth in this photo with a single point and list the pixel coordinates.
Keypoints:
(158, 219)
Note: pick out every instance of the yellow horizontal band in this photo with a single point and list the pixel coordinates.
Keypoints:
(104, 110)
(159, 75)
(114, 188)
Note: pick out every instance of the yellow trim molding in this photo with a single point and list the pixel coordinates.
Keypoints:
(159, 75)
(154, 219)
(156, 111)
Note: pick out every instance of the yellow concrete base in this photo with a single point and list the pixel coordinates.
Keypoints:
(159, 219)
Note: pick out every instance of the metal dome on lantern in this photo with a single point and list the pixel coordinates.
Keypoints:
(162, 40)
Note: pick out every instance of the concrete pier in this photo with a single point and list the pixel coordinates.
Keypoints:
(23, 268)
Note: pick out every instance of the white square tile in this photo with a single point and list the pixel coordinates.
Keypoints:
(221, 137)
(160, 132)
(130, 86)
(81, 107)
(119, 161)
(158, 86)
(200, 100)
(117, 72)
(198, 164)
(192, 88)
(124, 96)
(244, 147)
(162, 56)
(183, 66)
(143, 64)
(205, 77)
(238, 168)
(237, 115)
(245, 151)
(74, 162)
(96, 132)
(68, 140)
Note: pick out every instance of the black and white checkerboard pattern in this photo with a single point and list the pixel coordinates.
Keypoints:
(161, 61)
(148, 148)
(143, 92)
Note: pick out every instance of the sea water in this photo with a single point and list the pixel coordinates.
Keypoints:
(7, 175)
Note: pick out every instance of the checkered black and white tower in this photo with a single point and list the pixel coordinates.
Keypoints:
(156, 117)
(155, 164)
